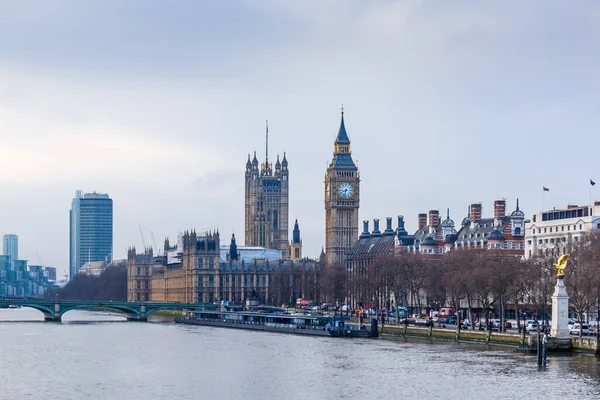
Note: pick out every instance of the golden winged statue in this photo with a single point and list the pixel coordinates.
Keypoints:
(561, 264)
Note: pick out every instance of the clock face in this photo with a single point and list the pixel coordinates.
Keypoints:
(345, 190)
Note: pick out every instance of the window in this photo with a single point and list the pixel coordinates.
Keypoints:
(580, 227)
(562, 228)
(552, 240)
(529, 242)
(576, 238)
(540, 241)
(544, 230)
(546, 241)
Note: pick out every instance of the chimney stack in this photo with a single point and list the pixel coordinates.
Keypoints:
(401, 230)
(365, 233)
(434, 218)
(388, 227)
(422, 221)
(499, 209)
(475, 213)
(376, 231)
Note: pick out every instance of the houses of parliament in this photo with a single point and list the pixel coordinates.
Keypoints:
(270, 267)
(267, 202)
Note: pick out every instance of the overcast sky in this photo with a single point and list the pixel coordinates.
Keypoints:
(158, 104)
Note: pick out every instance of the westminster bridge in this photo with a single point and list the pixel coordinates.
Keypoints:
(53, 310)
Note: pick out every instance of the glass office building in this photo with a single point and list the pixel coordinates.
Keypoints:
(10, 248)
(91, 230)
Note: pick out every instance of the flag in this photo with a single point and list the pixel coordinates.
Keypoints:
(592, 182)
(545, 189)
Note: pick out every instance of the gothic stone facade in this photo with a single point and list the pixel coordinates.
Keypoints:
(267, 204)
(342, 196)
(191, 272)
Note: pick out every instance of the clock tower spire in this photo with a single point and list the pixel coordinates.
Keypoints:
(342, 197)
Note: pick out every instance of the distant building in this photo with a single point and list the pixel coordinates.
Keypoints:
(342, 200)
(368, 247)
(92, 268)
(249, 254)
(50, 273)
(554, 230)
(296, 244)
(198, 269)
(501, 232)
(22, 280)
(267, 203)
(433, 238)
(10, 247)
(91, 230)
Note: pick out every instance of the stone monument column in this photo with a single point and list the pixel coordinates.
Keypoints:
(560, 301)
(560, 310)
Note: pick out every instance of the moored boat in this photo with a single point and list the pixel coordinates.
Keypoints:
(299, 324)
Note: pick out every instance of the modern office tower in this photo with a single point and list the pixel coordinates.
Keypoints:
(91, 230)
(10, 246)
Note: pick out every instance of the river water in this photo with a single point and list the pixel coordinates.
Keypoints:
(98, 356)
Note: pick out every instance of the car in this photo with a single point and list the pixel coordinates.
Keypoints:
(496, 324)
(532, 326)
(575, 329)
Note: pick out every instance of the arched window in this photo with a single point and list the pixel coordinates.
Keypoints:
(517, 231)
(275, 220)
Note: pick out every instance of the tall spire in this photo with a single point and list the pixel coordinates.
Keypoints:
(342, 137)
(296, 233)
(267, 141)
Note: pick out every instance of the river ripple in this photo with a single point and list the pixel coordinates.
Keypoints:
(97, 356)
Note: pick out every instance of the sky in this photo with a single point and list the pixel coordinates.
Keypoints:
(159, 103)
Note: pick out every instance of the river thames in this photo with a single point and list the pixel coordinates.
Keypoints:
(98, 356)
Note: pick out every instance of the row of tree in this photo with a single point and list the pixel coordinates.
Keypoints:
(111, 284)
(478, 280)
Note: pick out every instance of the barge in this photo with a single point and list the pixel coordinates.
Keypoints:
(298, 324)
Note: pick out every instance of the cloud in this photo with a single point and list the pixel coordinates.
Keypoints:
(447, 104)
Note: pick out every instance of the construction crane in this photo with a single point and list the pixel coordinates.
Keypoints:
(142, 235)
(39, 259)
(154, 241)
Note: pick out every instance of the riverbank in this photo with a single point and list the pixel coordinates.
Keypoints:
(589, 345)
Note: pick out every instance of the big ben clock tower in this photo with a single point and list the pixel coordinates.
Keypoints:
(342, 197)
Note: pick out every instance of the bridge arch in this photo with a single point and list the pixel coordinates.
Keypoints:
(150, 310)
(47, 311)
(127, 312)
